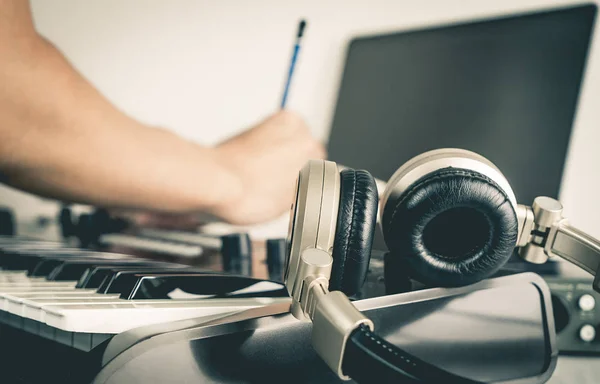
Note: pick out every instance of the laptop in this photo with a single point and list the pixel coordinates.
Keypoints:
(506, 88)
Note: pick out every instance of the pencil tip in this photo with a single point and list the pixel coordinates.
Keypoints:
(301, 27)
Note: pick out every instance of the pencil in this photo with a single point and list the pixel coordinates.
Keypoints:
(301, 27)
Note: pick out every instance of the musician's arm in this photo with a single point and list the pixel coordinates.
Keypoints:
(59, 137)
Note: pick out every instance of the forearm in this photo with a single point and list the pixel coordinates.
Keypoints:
(59, 137)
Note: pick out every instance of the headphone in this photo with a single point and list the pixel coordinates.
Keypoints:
(449, 214)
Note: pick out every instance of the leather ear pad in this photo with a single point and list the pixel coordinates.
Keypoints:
(454, 227)
(356, 222)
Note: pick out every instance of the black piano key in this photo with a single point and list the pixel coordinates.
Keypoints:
(26, 259)
(198, 286)
(29, 259)
(73, 270)
(93, 277)
(44, 267)
(124, 280)
(118, 283)
(47, 264)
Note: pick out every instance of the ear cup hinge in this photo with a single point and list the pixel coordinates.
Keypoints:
(538, 224)
(314, 270)
(551, 235)
(526, 224)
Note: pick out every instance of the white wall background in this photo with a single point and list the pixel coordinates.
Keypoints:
(209, 69)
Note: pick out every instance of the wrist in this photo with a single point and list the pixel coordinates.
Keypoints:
(227, 187)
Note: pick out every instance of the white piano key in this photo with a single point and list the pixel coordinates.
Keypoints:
(31, 326)
(207, 241)
(34, 288)
(10, 278)
(121, 316)
(169, 248)
(75, 293)
(34, 308)
(63, 337)
(6, 296)
(4, 273)
(46, 331)
(47, 294)
(82, 341)
(14, 320)
(35, 283)
(14, 278)
(9, 272)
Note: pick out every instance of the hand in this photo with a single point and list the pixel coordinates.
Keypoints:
(267, 159)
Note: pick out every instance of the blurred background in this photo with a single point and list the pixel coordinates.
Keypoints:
(208, 70)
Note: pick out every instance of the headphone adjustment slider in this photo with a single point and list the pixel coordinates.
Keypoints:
(333, 316)
(334, 320)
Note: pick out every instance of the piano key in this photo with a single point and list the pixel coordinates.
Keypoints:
(94, 276)
(51, 304)
(123, 280)
(77, 293)
(13, 243)
(63, 337)
(43, 283)
(46, 331)
(13, 277)
(48, 264)
(29, 259)
(11, 296)
(13, 320)
(23, 259)
(31, 326)
(33, 302)
(38, 289)
(73, 270)
(117, 318)
(175, 285)
(204, 240)
(146, 244)
(34, 308)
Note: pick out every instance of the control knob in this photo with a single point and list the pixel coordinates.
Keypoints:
(587, 333)
(586, 302)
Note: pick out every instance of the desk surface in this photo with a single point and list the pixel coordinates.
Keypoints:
(576, 369)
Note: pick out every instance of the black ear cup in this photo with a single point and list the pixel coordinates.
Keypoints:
(454, 227)
(356, 222)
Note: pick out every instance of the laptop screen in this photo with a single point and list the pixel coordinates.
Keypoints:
(505, 88)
